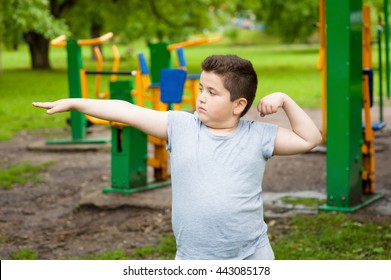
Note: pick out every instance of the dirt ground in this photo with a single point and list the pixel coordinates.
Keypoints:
(67, 216)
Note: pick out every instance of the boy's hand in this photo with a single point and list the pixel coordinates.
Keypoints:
(271, 103)
(58, 106)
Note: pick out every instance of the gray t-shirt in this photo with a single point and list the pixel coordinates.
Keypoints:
(217, 211)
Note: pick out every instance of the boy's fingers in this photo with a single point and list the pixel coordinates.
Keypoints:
(46, 105)
(267, 109)
(42, 104)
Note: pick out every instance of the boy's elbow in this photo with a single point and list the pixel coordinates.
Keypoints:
(317, 140)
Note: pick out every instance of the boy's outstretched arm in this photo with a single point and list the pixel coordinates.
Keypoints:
(150, 121)
(304, 134)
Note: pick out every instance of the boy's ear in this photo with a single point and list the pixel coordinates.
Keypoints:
(239, 105)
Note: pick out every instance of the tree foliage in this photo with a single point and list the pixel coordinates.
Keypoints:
(134, 19)
(38, 21)
(22, 16)
(292, 21)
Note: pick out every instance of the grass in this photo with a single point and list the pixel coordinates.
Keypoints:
(22, 173)
(107, 255)
(305, 201)
(24, 254)
(318, 237)
(333, 236)
(280, 68)
(164, 250)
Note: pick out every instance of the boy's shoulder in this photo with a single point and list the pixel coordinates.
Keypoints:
(182, 120)
(182, 116)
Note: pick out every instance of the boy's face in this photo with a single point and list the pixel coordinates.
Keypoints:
(214, 105)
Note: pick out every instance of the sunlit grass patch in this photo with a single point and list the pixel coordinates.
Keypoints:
(333, 236)
(22, 173)
(24, 254)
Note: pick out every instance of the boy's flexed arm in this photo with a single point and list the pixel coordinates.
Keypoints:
(150, 121)
(304, 134)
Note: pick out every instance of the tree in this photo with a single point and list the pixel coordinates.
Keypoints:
(292, 21)
(39, 21)
(157, 19)
(33, 21)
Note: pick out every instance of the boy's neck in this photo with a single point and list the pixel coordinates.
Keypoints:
(223, 131)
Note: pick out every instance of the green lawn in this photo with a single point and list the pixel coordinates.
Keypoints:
(291, 69)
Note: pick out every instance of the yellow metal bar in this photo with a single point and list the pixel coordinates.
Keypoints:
(368, 132)
(95, 41)
(59, 41)
(84, 84)
(116, 62)
(153, 162)
(192, 43)
(99, 67)
(104, 122)
(322, 65)
(368, 147)
(139, 89)
(366, 38)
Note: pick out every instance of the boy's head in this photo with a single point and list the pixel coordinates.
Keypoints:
(237, 74)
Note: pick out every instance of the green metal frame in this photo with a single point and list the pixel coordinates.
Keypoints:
(129, 151)
(78, 121)
(387, 44)
(380, 71)
(160, 57)
(344, 104)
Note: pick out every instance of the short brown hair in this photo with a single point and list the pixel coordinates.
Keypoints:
(238, 76)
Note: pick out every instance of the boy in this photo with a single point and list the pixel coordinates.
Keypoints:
(217, 159)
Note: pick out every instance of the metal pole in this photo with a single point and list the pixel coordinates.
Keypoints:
(379, 45)
(160, 58)
(344, 102)
(78, 120)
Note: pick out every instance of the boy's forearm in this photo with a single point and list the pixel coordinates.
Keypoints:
(112, 110)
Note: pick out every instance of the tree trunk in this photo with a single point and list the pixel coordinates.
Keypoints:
(39, 50)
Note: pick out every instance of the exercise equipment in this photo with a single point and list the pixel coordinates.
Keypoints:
(160, 54)
(192, 79)
(78, 121)
(350, 152)
(146, 90)
(160, 58)
(99, 67)
(129, 149)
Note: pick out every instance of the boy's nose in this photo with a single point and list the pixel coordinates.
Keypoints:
(201, 97)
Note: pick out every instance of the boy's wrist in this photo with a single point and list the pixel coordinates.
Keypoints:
(284, 98)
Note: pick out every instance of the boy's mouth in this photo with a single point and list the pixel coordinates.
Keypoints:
(201, 109)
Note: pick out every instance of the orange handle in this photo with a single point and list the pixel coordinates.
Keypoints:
(193, 43)
(59, 41)
(95, 41)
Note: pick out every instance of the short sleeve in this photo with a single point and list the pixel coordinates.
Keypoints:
(267, 133)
